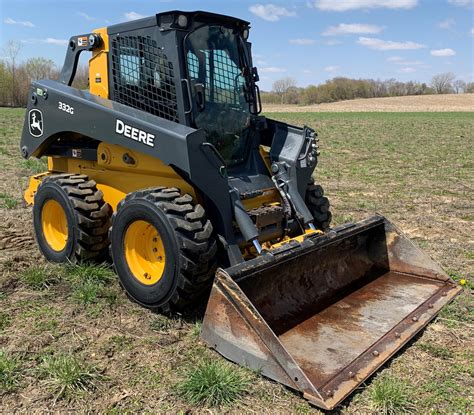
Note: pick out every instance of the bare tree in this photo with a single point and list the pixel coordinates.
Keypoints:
(442, 83)
(281, 86)
(40, 68)
(459, 86)
(11, 51)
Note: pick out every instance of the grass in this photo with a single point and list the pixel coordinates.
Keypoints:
(9, 202)
(67, 376)
(214, 383)
(5, 320)
(34, 166)
(416, 169)
(391, 396)
(90, 283)
(10, 370)
(40, 277)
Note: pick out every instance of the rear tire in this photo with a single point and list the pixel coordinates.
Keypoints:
(71, 219)
(319, 206)
(163, 248)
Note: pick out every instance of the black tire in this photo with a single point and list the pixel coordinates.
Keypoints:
(87, 215)
(188, 242)
(319, 206)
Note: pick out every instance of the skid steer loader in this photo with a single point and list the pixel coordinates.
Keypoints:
(167, 162)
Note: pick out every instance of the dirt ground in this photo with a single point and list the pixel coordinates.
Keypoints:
(421, 103)
(417, 169)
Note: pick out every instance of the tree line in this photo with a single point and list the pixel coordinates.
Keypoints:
(16, 76)
(285, 91)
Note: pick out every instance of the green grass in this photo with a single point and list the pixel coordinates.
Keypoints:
(391, 396)
(9, 202)
(440, 352)
(214, 383)
(34, 166)
(161, 323)
(90, 283)
(5, 320)
(40, 277)
(67, 375)
(10, 370)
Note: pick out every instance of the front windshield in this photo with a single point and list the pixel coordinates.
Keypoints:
(215, 63)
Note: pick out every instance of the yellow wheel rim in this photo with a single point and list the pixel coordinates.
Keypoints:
(144, 252)
(54, 224)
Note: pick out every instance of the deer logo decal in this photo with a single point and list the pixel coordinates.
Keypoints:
(35, 118)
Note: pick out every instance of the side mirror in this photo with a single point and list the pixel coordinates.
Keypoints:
(200, 96)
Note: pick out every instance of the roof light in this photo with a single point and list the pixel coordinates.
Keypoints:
(245, 34)
(182, 20)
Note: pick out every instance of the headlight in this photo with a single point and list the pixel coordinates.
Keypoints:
(182, 20)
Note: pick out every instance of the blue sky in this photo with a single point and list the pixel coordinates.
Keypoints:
(311, 40)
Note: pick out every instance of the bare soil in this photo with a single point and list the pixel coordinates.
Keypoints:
(418, 103)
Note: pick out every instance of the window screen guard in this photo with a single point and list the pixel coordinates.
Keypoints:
(143, 77)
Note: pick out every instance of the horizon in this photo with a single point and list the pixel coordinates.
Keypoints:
(310, 41)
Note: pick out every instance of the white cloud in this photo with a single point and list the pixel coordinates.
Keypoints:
(133, 16)
(344, 5)
(261, 62)
(379, 44)
(462, 3)
(332, 42)
(303, 42)
(25, 23)
(333, 68)
(86, 16)
(272, 69)
(53, 41)
(307, 72)
(351, 28)
(397, 60)
(472, 31)
(270, 12)
(49, 41)
(446, 24)
(407, 69)
(443, 52)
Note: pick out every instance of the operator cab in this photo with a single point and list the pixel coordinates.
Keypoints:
(211, 56)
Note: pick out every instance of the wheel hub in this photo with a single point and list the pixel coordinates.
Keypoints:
(54, 224)
(144, 252)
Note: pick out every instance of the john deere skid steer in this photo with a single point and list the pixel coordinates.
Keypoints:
(167, 164)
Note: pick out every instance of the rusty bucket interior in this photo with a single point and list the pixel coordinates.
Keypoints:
(323, 315)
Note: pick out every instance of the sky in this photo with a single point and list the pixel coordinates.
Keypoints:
(310, 41)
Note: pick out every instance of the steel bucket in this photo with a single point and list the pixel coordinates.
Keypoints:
(322, 315)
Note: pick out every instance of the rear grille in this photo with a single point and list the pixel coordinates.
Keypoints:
(143, 77)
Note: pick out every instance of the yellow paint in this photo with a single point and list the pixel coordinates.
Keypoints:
(144, 252)
(269, 197)
(265, 154)
(98, 67)
(116, 178)
(35, 181)
(299, 238)
(54, 225)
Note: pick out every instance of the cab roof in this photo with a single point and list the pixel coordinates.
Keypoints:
(168, 21)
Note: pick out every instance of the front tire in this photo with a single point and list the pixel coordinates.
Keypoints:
(163, 248)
